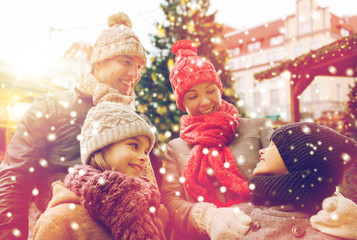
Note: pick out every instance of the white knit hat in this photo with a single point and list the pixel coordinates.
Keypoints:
(118, 39)
(108, 123)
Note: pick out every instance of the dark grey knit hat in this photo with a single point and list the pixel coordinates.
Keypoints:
(312, 146)
(316, 157)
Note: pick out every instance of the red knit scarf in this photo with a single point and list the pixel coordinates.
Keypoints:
(210, 133)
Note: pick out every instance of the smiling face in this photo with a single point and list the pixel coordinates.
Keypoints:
(202, 98)
(128, 156)
(121, 73)
(270, 162)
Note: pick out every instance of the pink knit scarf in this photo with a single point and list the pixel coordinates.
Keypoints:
(210, 133)
(127, 206)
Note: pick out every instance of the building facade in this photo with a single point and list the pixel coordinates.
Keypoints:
(73, 63)
(256, 49)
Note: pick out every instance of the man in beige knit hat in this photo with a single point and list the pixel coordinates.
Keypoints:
(46, 141)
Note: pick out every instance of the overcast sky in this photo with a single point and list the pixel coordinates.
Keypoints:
(26, 42)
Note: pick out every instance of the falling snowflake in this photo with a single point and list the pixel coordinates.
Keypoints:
(51, 137)
(332, 69)
(241, 160)
(43, 162)
(35, 192)
(73, 114)
(162, 170)
(16, 232)
(226, 165)
(81, 172)
(72, 206)
(102, 181)
(39, 114)
(152, 209)
(74, 225)
(170, 178)
(177, 193)
(210, 171)
(205, 151)
(200, 199)
(223, 189)
(334, 216)
(236, 210)
(252, 186)
(306, 130)
(346, 157)
(182, 179)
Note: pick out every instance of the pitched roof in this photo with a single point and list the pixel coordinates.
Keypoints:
(336, 51)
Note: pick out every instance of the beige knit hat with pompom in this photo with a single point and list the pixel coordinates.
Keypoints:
(111, 122)
(118, 39)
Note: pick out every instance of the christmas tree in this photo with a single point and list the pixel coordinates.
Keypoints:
(349, 185)
(350, 127)
(184, 19)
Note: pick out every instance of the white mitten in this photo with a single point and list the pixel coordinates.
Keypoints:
(338, 217)
(221, 223)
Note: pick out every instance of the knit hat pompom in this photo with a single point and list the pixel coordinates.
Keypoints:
(190, 70)
(118, 19)
(118, 39)
(183, 45)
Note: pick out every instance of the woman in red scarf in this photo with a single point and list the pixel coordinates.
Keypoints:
(208, 167)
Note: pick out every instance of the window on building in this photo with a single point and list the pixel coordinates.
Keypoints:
(274, 97)
(241, 82)
(276, 40)
(315, 92)
(314, 45)
(254, 46)
(258, 59)
(231, 65)
(272, 56)
(257, 99)
(305, 27)
(241, 63)
(234, 51)
(338, 92)
(298, 50)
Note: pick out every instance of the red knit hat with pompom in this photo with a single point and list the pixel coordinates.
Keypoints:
(190, 70)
